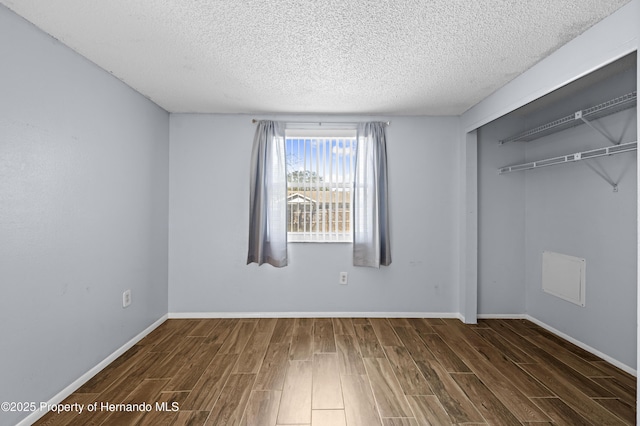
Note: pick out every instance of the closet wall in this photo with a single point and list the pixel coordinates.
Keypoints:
(569, 209)
(501, 222)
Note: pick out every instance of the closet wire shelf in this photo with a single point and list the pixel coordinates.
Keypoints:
(598, 111)
(585, 155)
(579, 117)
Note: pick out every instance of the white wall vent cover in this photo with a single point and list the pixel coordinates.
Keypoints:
(564, 276)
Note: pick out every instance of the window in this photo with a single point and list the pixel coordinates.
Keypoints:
(320, 171)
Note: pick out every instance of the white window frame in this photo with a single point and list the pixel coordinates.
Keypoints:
(322, 200)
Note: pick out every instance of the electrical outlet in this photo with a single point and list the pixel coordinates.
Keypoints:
(126, 298)
(344, 278)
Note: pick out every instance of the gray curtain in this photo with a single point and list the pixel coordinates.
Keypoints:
(370, 205)
(268, 196)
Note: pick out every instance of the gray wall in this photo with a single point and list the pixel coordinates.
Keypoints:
(83, 214)
(209, 195)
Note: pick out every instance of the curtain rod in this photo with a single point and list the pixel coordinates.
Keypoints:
(322, 123)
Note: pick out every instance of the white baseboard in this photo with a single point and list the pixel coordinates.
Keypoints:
(559, 333)
(199, 315)
(29, 420)
(502, 316)
(584, 346)
(494, 316)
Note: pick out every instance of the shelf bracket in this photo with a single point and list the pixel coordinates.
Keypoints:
(579, 116)
(603, 175)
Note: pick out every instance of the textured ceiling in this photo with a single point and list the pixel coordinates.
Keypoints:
(413, 57)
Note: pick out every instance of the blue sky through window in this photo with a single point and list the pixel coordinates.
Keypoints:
(329, 158)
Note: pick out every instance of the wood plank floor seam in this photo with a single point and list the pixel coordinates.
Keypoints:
(355, 372)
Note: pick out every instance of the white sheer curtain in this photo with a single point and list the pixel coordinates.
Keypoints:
(370, 212)
(268, 196)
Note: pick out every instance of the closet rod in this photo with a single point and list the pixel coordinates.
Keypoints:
(578, 156)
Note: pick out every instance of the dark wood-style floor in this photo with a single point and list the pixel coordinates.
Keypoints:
(360, 371)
